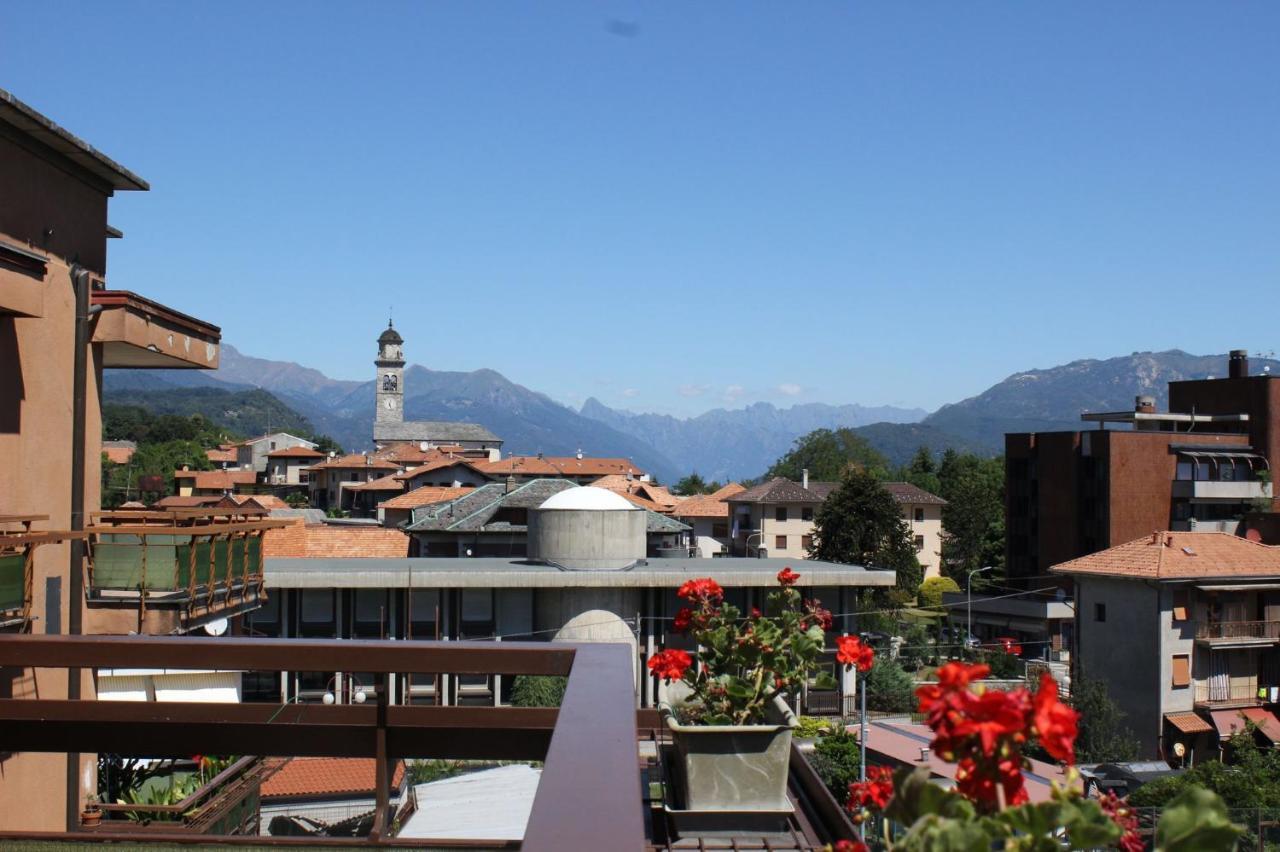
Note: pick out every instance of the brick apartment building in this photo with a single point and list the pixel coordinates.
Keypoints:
(1203, 465)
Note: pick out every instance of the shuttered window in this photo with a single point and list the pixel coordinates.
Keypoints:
(1181, 670)
(1180, 604)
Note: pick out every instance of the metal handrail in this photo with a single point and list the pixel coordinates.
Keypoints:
(1265, 629)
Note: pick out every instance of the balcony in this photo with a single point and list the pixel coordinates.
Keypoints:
(602, 782)
(1230, 527)
(1239, 692)
(1230, 491)
(1238, 632)
(205, 564)
(17, 555)
(137, 333)
(227, 804)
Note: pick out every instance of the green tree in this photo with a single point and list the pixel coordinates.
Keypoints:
(326, 445)
(1103, 738)
(837, 760)
(921, 471)
(538, 690)
(931, 591)
(120, 481)
(861, 524)
(827, 454)
(973, 519)
(889, 688)
(692, 484)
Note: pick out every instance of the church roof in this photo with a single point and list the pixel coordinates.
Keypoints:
(435, 431)
(390, 335)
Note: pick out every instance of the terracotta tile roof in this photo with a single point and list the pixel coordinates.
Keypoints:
(1180, 555)
(650, 496)
(1189, 723)
(298, 452)
(221, 455)
(317, 777)
(118, 455)
(781, 490)
(355, 460)
(318, 541)
(436, 460)
(217, 480)
(708, 505)
(905, 492)
(424, 496)
(265, 501)
(558, 466)
(390, 482)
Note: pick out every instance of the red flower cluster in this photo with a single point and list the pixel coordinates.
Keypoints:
(875, 792)
(703, 590)
(984, 731)
(683, 619)
(670, 664)
(1122, 815)
(851, 652)
(816, 615)
(787, 577)
(850, 846)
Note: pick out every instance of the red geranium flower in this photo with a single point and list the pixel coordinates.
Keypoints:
(700, 590)
(1054, 722)
(875, 792)
(851, 652)
(755, 612)
(787, 577)
(1123, 815)
(850, 846)
(682, 620)
(670, 664)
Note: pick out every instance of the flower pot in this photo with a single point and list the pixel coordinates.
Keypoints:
(734, 767)
(90, 817)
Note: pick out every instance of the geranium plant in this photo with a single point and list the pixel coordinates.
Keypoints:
(748, 659)
(983, 731)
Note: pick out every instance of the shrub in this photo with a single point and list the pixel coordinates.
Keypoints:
(1004, 666)
(836, 759)
(931, 591)
(811, 727)
(917, 649)
(537, 690)
(889, 688)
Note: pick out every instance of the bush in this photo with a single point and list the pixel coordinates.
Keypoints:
(811, 727)
(537, 690)
(931, 591)
(889, 688)
(1004, 666)
(836, 759)
(917, 647)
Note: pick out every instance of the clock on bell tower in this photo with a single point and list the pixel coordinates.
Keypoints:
(390, 389)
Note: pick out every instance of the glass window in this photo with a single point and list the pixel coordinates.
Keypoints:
(477, 613)
(919, 543)
(1100, 612)
(919, 514)
(780, 542)
(780, 513)
(316, 614)
(806, 514)
(423, 609)
(370, 616)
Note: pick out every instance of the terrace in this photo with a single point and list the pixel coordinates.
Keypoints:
(602, 786)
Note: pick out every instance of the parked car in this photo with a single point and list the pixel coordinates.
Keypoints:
(1008, 644)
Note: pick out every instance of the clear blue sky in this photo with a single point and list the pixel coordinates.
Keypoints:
(675, 205)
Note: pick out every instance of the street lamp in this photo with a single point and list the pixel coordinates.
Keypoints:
(969, 588)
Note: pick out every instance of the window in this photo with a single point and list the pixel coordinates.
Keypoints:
(780, 542)
(1180, 601)
(806, 541)
(316, 615)
(424, 606)
(1181, 670)
(477, 614)
(919, 543)
(806, 514)
(780, 513)
(1099, 612)
(719, 530)
(369, 619)
(919, 514)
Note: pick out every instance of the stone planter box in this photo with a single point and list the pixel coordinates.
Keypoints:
(734, 767)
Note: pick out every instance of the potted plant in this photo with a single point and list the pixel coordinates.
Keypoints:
(92, 814)
(730, 725)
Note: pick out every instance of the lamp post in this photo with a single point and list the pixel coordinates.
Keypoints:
(969, 589)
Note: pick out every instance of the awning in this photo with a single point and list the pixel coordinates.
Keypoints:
(1188, 723)
(1218, 457)
(1231, 722)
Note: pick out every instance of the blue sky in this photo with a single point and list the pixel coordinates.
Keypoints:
(678, 206)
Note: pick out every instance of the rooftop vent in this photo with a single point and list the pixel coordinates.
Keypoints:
(1238, 363)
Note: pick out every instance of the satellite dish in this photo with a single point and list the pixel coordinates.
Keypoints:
(1179, 750)
(216, 628)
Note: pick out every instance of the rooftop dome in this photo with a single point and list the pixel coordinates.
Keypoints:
(589, 498)
(390, 335)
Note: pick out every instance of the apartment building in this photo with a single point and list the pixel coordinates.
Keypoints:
(330, 481)
(1202, 465)
(60, 326)
(708, 515)
(255, 453)
(776, 518)
(1197, 618)
(290, 465)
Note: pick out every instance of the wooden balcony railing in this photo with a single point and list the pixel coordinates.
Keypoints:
(1238, 630)
(17, 574)
(588, 796)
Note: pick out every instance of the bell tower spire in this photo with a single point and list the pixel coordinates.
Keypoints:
(390, 377)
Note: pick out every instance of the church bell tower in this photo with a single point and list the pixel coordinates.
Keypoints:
(390, 364)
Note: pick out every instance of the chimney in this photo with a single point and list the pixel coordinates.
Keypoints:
(804, 478)
(1144, 404)
(511, 484)
(579, 453)
(1238, 363)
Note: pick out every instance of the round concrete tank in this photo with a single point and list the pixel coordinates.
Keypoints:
(590, 615)
(588, 529)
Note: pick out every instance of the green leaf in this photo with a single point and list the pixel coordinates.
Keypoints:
(915, 796)
(933, 833)
(1196, 821)
(824, 680)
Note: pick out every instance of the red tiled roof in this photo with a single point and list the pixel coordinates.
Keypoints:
(320, 541)
(644, 494)
(708, 505)
(298, 452)
(118, 455)
(1180, 555)
(221, 455)
(558, 466)
(424, 496)
(437, 460)
(390, 482)
(1189, 723)
(905, 492)
(195, 502)
(316, 777)
(264, 501)
(217, 480)
(355, 460)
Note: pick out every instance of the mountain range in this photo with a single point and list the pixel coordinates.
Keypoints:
(720, 444)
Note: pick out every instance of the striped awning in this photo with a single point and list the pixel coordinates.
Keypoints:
(1188, 723)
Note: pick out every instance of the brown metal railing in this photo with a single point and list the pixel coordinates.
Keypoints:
(588, 796)
(1238, 630)
(197, 810)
